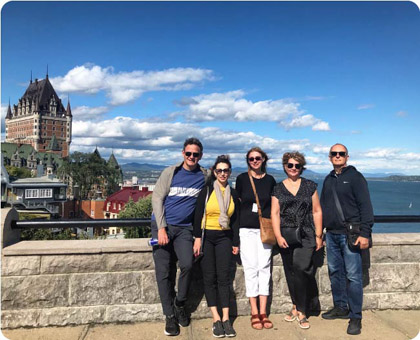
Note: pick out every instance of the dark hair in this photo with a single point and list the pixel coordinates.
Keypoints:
(220, 159)
(193, 141)
(262, 153)
(297, 156)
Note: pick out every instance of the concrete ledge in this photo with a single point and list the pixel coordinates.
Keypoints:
(53, 247)
(140, 245)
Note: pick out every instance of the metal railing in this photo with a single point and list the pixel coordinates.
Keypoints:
(145, 222)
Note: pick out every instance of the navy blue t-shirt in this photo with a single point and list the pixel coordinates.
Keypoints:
(180, 203)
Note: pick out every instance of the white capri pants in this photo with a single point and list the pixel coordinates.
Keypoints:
(256, 260)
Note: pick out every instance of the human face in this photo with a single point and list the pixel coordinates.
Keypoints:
(338, 161)
(255, 160)
(191, 161)
(222, 173)
(292, 172)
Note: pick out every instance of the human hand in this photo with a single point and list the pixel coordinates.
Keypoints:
(282, 242)
(363, 242)
(319, 243)
(197, 246)
(162, 237)
(235, 250)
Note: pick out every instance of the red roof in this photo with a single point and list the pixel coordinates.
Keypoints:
(120, 198)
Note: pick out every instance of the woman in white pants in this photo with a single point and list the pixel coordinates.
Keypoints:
(255, 255)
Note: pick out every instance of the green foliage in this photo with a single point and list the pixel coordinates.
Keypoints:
(18, 172)
(89, 170)
(140, 209)
(44, 234)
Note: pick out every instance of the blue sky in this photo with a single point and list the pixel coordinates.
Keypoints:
(143, 76)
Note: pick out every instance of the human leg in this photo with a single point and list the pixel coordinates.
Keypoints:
(354, 276)
(336, 269)
(208, 268)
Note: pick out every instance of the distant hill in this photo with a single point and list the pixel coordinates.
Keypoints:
(141, 167)
(277, 173)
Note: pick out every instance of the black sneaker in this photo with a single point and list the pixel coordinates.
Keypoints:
(181, 315)
(218, 331)
(336, 313)
(229, 331)
(355, 326)
(172, 327)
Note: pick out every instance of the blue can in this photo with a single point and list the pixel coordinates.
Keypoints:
(152, 242)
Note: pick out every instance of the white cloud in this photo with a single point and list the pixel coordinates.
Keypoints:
(365, 106)
(124, 87)
(232, 106)
(305, 121)
(87, 112)
(3, 116)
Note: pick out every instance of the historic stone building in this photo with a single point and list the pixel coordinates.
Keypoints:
(40, 119)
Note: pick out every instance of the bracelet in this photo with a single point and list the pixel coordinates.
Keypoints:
(319, 236)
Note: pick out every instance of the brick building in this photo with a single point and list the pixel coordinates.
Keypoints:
(40, 119)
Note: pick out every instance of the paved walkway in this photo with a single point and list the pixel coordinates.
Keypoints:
(380, 325)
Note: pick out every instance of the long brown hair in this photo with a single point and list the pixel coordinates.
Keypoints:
(263, 155)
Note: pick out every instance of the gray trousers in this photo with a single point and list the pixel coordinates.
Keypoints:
(180, 247)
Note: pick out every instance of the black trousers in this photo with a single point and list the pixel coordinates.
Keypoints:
(180, 247)
(298, 268)
(215, 264)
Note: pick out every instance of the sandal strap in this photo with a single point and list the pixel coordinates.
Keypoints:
(303, 320)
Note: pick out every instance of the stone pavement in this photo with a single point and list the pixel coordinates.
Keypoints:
(380, 325)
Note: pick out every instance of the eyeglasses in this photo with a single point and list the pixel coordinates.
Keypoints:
(291, 165)
(258, 158)
(225, 171)
(335, 153)
(194, 154)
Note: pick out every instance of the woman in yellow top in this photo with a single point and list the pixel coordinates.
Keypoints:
(216, 212)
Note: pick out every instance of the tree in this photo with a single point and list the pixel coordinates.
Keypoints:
(140, 209)
(90, 172)
(14, 171)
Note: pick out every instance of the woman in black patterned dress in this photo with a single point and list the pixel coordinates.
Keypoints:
(295, 201)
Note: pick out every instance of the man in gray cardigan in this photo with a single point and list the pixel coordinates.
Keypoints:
(173, 200)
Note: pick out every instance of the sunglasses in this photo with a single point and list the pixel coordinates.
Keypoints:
(258, 158)
(225, 171)
(194, 154)
(335, 153)
(291, 165)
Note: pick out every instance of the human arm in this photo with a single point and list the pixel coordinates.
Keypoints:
(198, 219)
(317, 216)
(275, 220)
(234, 222)
(364, 204)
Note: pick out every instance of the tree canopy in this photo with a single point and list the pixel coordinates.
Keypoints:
(90, 172)
(140, 209)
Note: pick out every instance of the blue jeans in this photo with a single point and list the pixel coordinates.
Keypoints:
(346, 275)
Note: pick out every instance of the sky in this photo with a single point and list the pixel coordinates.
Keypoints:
(286, 76)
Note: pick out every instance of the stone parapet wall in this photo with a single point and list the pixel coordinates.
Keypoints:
(57, 283)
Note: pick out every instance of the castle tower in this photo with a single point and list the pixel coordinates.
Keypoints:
(38, 116)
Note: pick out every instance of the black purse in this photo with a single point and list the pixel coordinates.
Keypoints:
(352, 228)
(293, 235)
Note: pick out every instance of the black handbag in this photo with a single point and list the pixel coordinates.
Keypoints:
(293, 235)
(352, 228)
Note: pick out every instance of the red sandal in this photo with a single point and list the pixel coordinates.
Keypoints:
(256, 324)
(267, 324)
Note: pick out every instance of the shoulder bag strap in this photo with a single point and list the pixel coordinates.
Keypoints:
(337, 203)
(256, 195)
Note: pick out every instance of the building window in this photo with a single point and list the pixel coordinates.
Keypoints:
(31, 193)
(92, 213)
(45, 193)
